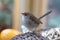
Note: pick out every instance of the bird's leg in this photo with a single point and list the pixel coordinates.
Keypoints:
(30, 29)
(36, 31)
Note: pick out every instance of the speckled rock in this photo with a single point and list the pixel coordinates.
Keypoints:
(29, 36)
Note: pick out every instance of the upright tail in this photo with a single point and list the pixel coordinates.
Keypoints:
(45, 14)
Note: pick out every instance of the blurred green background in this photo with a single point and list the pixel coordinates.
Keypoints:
(6, 10)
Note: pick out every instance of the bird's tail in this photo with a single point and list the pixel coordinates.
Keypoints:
(45, 14)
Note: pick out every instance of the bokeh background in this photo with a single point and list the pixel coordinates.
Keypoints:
(11, 18)
(6, 12)
(10, 13)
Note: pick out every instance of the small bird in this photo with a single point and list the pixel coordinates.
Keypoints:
(30, 21)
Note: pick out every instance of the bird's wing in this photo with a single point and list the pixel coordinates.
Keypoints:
(33, 18)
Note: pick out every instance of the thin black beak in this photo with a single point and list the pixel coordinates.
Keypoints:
(24, 14)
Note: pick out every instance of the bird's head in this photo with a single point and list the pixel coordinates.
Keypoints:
(26, 14)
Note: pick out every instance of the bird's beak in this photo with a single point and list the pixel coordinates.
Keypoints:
(24, 14)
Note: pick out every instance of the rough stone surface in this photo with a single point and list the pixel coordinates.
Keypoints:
(29, 36)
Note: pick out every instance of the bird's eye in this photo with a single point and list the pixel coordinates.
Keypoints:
(25, 14)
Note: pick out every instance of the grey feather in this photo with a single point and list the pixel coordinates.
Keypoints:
(31, 21)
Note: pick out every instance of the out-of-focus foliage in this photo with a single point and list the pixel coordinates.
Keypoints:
(5, 14)
(6, 10)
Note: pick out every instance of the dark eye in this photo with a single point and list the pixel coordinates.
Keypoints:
(25, 14)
